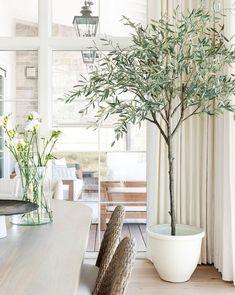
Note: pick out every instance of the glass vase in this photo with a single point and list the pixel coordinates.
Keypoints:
(36, 189)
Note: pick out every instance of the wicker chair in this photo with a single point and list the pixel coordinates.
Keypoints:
(107, 249)
(116, 277)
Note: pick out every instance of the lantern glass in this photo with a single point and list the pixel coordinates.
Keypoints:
(86, 26)
(88, 56)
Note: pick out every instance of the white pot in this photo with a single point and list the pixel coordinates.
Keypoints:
(175, 257)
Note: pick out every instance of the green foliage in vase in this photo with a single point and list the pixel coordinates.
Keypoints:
(175, 68)
(26, 147)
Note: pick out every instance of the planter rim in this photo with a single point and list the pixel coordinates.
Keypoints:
(162, 231)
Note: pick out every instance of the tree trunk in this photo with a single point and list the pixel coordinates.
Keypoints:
(171, 185)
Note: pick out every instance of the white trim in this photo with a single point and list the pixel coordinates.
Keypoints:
(58, 43)
(45, 65)
(153, 12)
(19, 43)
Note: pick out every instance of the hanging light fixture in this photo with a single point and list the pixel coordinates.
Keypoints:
(89, 56)
(86, 25)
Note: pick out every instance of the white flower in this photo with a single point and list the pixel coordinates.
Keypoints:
(17, 141)
(34, 116)
(33, 124)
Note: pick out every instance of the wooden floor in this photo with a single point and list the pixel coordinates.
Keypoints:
(205, 281)
(136, 230)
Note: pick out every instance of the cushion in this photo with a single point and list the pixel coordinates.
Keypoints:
(64, 173)
(60, 162)
(87, 280)
(77, 166)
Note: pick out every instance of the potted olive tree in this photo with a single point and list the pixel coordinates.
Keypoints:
(174, 70)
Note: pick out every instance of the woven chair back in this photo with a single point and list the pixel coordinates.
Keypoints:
(110, 242)
(116, 277)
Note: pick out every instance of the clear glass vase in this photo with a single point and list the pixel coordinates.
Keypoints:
(36, 189)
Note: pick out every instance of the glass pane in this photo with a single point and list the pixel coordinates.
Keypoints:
(82, 169)
(19, 18)
(124, 166)
(21, 67)
(20, 85)
(68, 66)
(19, 92)
(137, 137)
(63, 15)
(77, 139)
(19, 110)
(112, 12)
(107, 136)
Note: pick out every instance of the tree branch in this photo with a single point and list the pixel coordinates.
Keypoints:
(155, 121)
(193, 113)
(182, 111)
(162, 116)
(176, 108)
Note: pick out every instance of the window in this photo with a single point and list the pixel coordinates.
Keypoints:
(18, 93)
(41, 70)
(19, 18)
(109, 12)
(2, 95)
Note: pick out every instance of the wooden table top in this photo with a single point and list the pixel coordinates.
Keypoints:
(46, 259)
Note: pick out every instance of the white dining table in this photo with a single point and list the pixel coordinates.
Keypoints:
(46, 259)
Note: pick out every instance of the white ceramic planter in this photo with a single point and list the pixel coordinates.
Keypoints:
(175, 257)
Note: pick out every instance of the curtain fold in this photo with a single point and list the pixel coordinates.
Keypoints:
(204, 171)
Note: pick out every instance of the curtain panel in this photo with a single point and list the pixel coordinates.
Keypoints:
(204, 168)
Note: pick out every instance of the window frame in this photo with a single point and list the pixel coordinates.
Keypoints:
(45, 44)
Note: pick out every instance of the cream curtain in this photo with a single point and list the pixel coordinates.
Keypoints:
(205, 169)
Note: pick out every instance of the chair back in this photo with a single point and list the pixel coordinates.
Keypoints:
(116, 277)
(110, 241)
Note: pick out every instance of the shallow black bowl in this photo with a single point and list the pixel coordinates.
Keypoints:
(13, 207)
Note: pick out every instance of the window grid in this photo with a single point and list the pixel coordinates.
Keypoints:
(46, 44)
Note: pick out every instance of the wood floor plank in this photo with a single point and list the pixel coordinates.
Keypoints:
(143, 232)
(135, 233)
(129, 230)
(206, 280)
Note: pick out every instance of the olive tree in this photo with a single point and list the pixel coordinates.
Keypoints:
(175, 69)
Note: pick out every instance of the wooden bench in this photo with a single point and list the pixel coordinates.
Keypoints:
(127, 193)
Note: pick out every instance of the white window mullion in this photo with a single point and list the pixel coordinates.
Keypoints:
(153, 12)
(45, 64)
(79, 43)
(19, 43)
